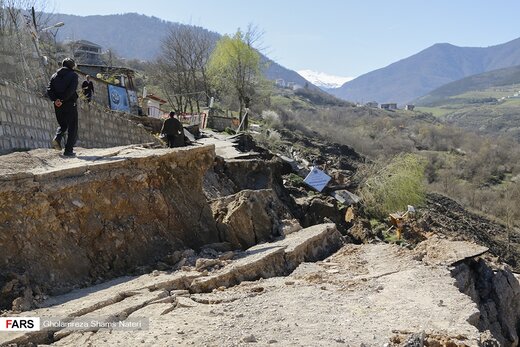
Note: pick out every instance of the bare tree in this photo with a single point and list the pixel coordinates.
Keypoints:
(20, 25)
(181, 67)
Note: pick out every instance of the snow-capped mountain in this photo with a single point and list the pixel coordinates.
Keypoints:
(323, 80)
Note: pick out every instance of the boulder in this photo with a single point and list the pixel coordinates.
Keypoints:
(249, 217)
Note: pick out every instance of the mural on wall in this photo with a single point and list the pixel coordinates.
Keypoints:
(118, 98)
(132, 96)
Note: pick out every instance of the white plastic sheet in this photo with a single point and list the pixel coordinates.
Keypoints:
(317, 179)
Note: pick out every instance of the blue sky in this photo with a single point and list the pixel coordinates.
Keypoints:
(338, 37)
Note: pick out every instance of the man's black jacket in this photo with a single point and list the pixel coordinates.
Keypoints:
(172, 126)
(63, 86)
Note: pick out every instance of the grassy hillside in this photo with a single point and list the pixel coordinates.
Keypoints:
(480, 171)
(492, 84)
(487, 103)
(305, 99)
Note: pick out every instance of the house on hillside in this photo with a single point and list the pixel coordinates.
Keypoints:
(294, 86)
(389, 106)
(409, 107)
(152, 106)
(280, 82)
(86, 52)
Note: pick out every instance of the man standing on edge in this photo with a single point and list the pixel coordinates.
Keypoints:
(62, 91)
(174, 131)
(88, 88)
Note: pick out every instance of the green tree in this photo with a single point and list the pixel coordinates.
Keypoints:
(234, 67)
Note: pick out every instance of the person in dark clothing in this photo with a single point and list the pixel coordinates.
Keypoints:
(88, 88)
(62, 91)
(173, 130)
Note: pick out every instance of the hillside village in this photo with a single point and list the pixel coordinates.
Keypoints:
(273, 225)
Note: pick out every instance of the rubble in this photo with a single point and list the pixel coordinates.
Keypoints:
(266, 269)
(249, 217)
(117, 300)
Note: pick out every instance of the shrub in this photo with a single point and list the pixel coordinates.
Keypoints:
(398, 184)
(294, 180)
(270, 117)
(230, 131)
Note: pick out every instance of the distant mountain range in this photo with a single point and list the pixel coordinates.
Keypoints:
(136, 36)
(415, 76)
(323, 80)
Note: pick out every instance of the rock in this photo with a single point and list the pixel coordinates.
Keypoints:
(173, 258)
(249, 338)
(188, 253)
(487, 340)
(208, 253)
(185, 302)
(249, 217)
(415, 340)
(321, 209)
(289, 226)
(180, 292)
(227, 256)
(162, 266)
(275, 258)
(362, 232)
(78, 203)
(311, 244)
(497, 292)
(438, 251)
(202, 263)
(23, 303)
(220, 246)
(181, 265)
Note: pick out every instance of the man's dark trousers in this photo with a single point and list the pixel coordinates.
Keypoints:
(171, 140)
(67, 117)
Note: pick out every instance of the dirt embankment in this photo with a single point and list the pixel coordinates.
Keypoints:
(70, 222)
(67, 223)
(445, 216)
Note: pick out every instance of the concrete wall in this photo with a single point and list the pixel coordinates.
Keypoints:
(221, 123)
(100, 89)
(10, 70)
(27, 121)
